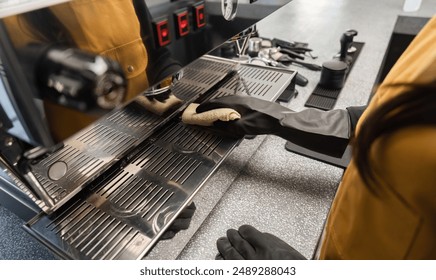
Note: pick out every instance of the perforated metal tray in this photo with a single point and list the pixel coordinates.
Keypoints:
(123, 214)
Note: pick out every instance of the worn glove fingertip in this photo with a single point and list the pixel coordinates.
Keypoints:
(227, 250)
(219, 257)
(245, 230)
(221, 239)
(222, 244)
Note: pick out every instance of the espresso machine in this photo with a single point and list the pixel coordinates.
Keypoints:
(110, 188)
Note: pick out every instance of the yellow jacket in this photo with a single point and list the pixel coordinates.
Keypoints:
(106, 27)
(401, 222)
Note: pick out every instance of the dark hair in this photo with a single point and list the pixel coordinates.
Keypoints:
(416, 106)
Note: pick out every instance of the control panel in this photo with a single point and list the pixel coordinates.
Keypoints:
(177, 20)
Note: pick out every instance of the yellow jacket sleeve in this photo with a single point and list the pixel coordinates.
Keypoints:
(105, 27)
(400, 223)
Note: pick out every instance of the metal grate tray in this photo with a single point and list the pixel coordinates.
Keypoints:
(89, 153)
(124, 214)
(121, 217)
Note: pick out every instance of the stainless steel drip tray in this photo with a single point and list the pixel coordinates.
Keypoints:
(124, 215)
(91, 152)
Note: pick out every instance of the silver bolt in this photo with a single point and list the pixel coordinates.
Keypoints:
(9, 141)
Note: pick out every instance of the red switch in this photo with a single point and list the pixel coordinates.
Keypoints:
(162, 32)
(199, 16)
(181, 18)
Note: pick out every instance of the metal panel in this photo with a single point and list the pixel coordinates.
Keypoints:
(124, 214)
(138, 201)
(92, 151)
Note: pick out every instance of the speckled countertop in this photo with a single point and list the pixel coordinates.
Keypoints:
(261, 183)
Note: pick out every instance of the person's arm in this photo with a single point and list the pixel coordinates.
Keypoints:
(326, 132)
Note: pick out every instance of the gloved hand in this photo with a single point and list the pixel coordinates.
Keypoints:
(181, 222)
(248, 243)
(257, 116)
(320, 131)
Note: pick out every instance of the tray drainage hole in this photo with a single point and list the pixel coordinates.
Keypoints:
(57, 170)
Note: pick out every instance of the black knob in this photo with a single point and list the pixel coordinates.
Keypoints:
(346, 40)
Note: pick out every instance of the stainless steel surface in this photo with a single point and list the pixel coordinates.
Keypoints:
(16, 180)
(259, 81)
(89, 153)
(40, 190)
(304, 187)
(25, 41)
(254, 44)
(124, 215)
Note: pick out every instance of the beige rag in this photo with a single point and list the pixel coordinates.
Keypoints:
(190, 115)
(157, 107)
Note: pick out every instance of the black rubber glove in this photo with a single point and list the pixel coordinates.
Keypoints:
(248, 243)
(321, 131)
(181, 222)
(257, 116)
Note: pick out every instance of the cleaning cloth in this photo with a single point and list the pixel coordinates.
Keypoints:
(190, 115)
